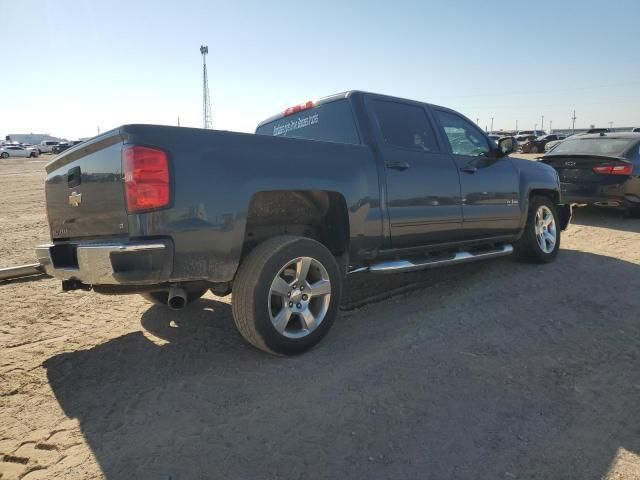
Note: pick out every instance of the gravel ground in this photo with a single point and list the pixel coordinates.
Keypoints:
(493, 370)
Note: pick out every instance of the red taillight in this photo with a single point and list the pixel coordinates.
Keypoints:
(146, 178)
(298, 108)
(613, 169)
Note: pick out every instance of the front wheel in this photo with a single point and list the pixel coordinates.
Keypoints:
(4, 155)
(540, 240)
(286, 295)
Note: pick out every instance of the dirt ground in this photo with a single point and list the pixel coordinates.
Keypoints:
(492, 370)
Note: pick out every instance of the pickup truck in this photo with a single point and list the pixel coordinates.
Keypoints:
(354, 182)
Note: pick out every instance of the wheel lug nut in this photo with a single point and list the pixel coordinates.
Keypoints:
(295, 285)
(301, 287)
(299, 305)
(288, 294)
(290, 304)
(304, 297)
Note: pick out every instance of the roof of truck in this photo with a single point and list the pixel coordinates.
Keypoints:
(341, 95)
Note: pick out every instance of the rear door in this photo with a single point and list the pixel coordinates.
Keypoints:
(422, 182)
(489, 187)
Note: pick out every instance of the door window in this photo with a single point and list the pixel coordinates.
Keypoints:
(405, 126)
(464, 137)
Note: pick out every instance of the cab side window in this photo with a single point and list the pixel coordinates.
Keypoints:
(463, 136)
(405, 126)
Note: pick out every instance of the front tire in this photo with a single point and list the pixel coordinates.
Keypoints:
(540, 240)
(286, 295)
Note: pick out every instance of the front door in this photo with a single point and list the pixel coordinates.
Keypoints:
(489, 185)
(423, 187)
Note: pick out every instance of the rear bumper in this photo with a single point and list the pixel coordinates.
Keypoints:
(616, 195)
(113, 263)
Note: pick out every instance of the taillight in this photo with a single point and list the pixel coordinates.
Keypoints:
(146, 178)
(613, 169)
(298, 108)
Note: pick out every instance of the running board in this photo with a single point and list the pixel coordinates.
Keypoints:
(394, 266)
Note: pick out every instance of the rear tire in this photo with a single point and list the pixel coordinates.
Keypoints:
(4, 155)
(540, 240)
(286, 295)
(162, 297)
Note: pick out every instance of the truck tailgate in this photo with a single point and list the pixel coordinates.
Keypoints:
(85, 192)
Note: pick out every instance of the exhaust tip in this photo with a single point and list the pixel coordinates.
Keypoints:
(177, 299)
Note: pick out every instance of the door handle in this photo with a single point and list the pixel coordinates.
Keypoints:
(398, 166)
(469, 169)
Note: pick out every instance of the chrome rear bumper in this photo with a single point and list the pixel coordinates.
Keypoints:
(116, 263)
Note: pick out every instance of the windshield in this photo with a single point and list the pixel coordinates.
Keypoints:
(594, 146)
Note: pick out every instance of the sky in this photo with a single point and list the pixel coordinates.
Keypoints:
(72, 67)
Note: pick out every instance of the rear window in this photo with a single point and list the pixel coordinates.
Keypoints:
(329, 122)
(594, 146)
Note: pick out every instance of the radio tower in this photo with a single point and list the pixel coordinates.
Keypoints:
(206, 103)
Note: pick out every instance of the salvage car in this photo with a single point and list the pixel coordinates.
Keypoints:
(538, 144)
(600, 169)
(7, 151)
(355, 182)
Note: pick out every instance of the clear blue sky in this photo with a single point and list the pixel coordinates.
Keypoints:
(71, 66)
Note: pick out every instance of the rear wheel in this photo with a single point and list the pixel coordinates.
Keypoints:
(4, 155)
(162, 297)
(286, 295)
(540, 240)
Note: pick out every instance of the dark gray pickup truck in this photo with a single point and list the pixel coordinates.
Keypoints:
(355, 182)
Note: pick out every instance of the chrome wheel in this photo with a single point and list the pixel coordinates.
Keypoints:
(299, 297)
(546, 233)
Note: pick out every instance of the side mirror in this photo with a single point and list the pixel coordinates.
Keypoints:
(506, 145)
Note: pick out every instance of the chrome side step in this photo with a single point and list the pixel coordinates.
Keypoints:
(394, 266)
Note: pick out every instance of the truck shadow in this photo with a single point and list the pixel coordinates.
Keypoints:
(498, 370)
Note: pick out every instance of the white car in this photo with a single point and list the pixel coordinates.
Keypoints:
(17, 151)
(46, 146)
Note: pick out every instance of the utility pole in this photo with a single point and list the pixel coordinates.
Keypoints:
(610, 125)
(573, 125)
(206, 103)
(178, 121)
(492, 124)
(542, 124)
(516, 126)
(477, 121)
(535, 129)
(550, 126)
(98, 129)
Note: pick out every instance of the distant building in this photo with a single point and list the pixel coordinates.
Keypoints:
(32, 138)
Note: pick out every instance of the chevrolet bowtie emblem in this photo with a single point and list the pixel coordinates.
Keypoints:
(75, 199)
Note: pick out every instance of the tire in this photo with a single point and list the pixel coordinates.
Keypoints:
(534, 149)
(529, 247)
(4, 155)
(260, 300)
(162, 297)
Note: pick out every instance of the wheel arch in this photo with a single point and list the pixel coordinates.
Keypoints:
(318, 214)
